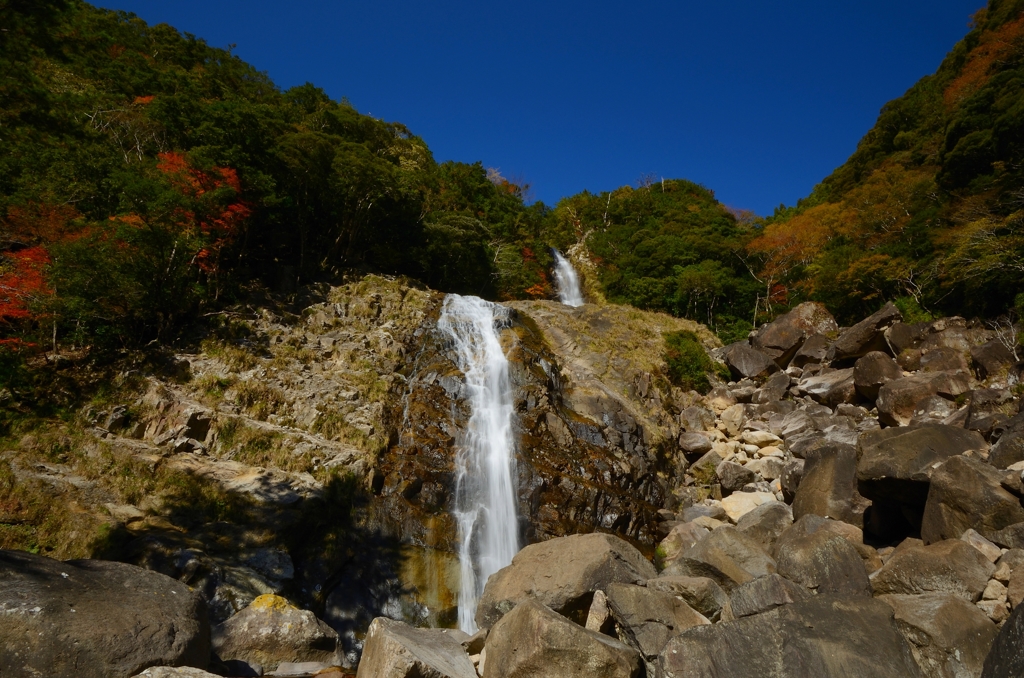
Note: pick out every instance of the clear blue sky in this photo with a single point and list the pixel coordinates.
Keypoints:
(756, 100)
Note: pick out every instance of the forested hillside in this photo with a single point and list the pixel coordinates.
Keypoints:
(930, 207)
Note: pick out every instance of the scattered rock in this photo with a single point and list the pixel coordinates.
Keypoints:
(866, 336)
(532, 641)
(733, 476)
(950, 566)
(736, 555)
(781, 338)
(1006, 657)
(948, 636)
(765, 523)
(824, 637)
(562, 574)
(898, 400)
(748, 363)
(393, 649)
(966, 493)
(94, 618)
(648, 618)
(873, 371)
(766, 593)
(700, 593)
(831, 388)
(825, 563)
(739, 504)
(271, 631)
(828, 486)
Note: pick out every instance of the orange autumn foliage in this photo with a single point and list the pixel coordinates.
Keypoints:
(994, 46)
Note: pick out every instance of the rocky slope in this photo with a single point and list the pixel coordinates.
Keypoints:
(865, 480)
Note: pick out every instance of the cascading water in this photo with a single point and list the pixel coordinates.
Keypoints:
(567, 282)
(485, 498)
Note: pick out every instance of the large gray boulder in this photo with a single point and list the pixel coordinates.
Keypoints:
(948, 636)
(764, 594)
(952, 566)
(824, 637)
(898, 400)
(745, 362)
(824, 562)
(765, 523)
(95, 618)
(965, 494)
(532, 641)
(873, 371)
(647, 618)
(1009, 449)
(992, 359)
(809, 524)
(813, 351)
(700, 593)
(393, 649)
(735, 554)
(896, 466)
(866, 336)
(270, 630)
(783, 337)
(562, 574)
(831, 388)
(828, 486)
(1006, 657)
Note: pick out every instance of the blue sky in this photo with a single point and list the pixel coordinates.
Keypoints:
(756, 100)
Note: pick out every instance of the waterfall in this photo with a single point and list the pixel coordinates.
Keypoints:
(567, 282)
(485, 496)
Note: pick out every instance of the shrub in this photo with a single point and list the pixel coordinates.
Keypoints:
(688, 363)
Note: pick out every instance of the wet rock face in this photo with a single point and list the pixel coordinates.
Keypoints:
(589, 447)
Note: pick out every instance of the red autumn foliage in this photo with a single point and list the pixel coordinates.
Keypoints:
(221, 223)
(40, 223)
(22, 281)
(994, 46)
(142, 101)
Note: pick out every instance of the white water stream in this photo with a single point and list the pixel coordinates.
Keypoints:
(567, 282)
(485, 497)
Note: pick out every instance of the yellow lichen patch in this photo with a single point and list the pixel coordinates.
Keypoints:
(268, 601)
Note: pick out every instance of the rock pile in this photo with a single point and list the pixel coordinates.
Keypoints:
(849, 505)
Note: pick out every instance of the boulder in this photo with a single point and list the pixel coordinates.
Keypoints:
(648, 618)
(1010, 537)
(698, 569)
(681, 537)
(697, 420)
(174, 672)
(562, 574)
(824, 637)
(948, 636)
(828, 486)
(781, 338)
(1006, 657)
(902, 336)
(873, 371)
(94, 618)
(898, 400)
(700, 593)
(831, 388)
(764, 594)
(736, 555)
(765, 523)
(813, 351)
(950, 566)
(393, 649)
(943, 359)
(895, 470)
(992, 360)
(739, 504)
(966, 493)
(271, 631)
(733, 476)
(809, 524)
(533, 641)
(825, 563)
(1009, 449)
(989, 409)
(792, 474)
(773, 390)
(694, 444)
(866, 336)
(745, 362)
